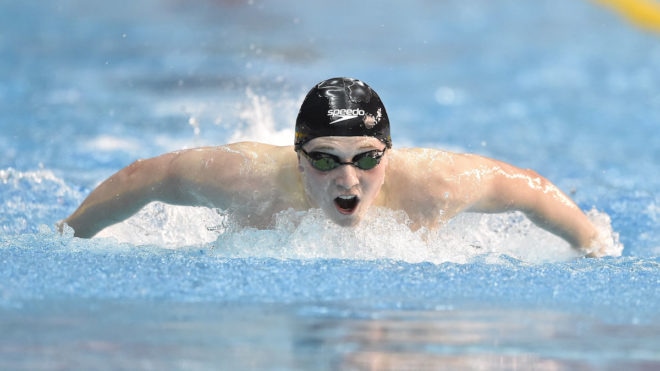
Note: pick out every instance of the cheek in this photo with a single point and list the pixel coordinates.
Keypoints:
(375, 180)
(315, 185)
(313, 178)
(378, 176)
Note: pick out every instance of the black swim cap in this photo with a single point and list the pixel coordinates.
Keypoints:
(342, 107)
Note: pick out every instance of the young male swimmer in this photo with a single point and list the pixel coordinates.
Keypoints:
(342, 162)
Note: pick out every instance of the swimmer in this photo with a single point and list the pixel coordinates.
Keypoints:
(342, 162)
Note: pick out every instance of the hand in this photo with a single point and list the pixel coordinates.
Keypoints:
(606, 242)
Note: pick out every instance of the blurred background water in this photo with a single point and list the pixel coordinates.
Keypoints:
(568, 88)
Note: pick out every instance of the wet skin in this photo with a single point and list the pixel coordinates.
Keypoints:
(346, 192)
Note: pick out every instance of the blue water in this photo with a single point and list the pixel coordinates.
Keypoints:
(568, 88)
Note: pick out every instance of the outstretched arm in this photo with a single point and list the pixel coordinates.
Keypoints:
(212, 177)
(121, 195)
(505, 187)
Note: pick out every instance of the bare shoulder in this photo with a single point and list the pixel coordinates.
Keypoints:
(250, 150)
(246, 157)
(433, 185)
(238, 168)
(257, 149)
(426, 162)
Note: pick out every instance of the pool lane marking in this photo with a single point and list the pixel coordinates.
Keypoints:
(643, 13)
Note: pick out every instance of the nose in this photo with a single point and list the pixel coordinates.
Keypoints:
(346, 177)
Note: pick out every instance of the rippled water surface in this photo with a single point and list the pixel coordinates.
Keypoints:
(568, 88)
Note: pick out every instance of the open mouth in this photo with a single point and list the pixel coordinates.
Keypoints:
(346, 204)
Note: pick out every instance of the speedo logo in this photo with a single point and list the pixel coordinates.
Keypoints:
(344, 114)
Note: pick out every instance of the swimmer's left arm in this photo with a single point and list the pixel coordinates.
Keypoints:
(505, 187)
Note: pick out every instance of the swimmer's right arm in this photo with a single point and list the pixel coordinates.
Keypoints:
(195, 177)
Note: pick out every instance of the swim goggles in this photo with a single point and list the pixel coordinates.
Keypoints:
(325, 162)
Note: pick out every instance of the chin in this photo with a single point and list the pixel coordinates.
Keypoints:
(346, 220)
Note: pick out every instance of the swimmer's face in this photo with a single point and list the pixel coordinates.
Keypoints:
(346, 192)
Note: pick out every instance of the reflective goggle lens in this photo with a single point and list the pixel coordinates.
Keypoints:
(326, 162)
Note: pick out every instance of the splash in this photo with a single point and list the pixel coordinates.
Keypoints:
(40, 197)
(167, 226)
(384, 234)
(258, 121)
(29, 198)
(607, 242)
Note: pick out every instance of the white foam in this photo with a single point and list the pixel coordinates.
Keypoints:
(384, 234)
(38, 181)
(168, 226)
(607, 243)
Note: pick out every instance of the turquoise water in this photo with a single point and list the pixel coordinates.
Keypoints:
(567, 88)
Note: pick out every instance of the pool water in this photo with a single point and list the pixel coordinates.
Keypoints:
(568, 88)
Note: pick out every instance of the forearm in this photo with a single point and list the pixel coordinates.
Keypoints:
(567, 222)
(511, 188)
(94, 215)
(211, 177)
(117, 198)
(549, 208)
